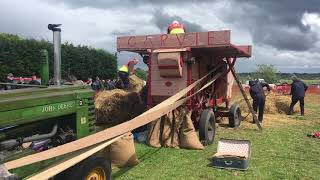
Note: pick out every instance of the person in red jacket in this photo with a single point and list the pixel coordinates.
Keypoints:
(176, 28)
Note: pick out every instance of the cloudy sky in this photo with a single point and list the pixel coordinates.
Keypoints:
(284, 33)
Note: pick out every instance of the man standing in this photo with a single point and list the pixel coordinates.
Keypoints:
(127, 70)
(176, 28)
(97, 84)
(34, 80)
(298, 89)
(9, 80)
(258, 96)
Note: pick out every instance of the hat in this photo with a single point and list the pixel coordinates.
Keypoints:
(10, 75)
(294, 77)
(175, 22)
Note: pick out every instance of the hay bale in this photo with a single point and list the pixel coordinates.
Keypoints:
(136, 83)
(117, 106)
(275, 104)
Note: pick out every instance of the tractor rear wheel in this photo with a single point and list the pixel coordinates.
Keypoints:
(207, 127)
(234, 116)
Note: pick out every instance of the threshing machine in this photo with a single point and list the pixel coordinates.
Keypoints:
(176, 61)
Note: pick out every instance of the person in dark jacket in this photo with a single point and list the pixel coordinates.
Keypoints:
(258, 96)
(298, 89)
(9, 80)
(34, 80)
(97, 84)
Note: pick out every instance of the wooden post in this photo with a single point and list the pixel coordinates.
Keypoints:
(255, 118)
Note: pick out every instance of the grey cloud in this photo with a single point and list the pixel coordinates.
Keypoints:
(283, 39)
(122, 33)
(108, 4)
(162, 20)
(269, 21)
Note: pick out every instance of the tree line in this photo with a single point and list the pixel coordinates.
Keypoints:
(271, 75)
(22, 57)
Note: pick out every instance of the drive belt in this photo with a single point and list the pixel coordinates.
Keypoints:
(103, 136)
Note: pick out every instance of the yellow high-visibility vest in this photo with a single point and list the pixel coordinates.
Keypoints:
(124, 68)
(177, 31)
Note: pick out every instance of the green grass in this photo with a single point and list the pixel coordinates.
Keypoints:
(278, 152)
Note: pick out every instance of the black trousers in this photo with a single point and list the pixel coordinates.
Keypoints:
(259, 102)
(124, 78)
(294, 101)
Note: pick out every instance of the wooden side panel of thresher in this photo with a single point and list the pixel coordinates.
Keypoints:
(223, 85)
(230, 79)
(166, 86)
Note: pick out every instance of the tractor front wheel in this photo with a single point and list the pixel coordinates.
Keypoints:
(207, 127)
(95, 167)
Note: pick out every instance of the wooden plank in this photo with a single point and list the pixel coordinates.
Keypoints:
(166, 41)
(246, 49)
(143, 119)
(69, 162)
(170, 50)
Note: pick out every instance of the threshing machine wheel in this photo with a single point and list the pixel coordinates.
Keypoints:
(207, 127)
(234, 115)
(95, 167)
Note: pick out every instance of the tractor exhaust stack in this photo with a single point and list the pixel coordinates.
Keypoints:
(57, 52)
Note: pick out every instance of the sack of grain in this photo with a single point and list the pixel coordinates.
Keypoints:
(179, 115)
(154, 134)
(188, 136)
(122, 152)
(166, 136)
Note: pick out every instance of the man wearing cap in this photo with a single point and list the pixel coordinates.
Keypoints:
(34, 80)
(126, 70)
(9, 80)
(176, 28)
(258, 96)
(298, 89)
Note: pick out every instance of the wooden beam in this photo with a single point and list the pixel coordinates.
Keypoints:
(255, 118)
(69, 162)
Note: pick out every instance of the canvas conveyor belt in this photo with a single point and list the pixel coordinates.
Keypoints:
(80, 149)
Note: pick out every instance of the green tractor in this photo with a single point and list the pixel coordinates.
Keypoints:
(39, 118)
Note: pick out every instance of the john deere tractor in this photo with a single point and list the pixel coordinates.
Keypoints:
(39, 118)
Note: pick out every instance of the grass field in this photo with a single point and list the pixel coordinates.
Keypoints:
(281, 151)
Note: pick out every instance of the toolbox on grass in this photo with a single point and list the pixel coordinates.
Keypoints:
(232, 154)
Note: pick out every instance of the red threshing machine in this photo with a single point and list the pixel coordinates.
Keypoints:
(176, 61)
